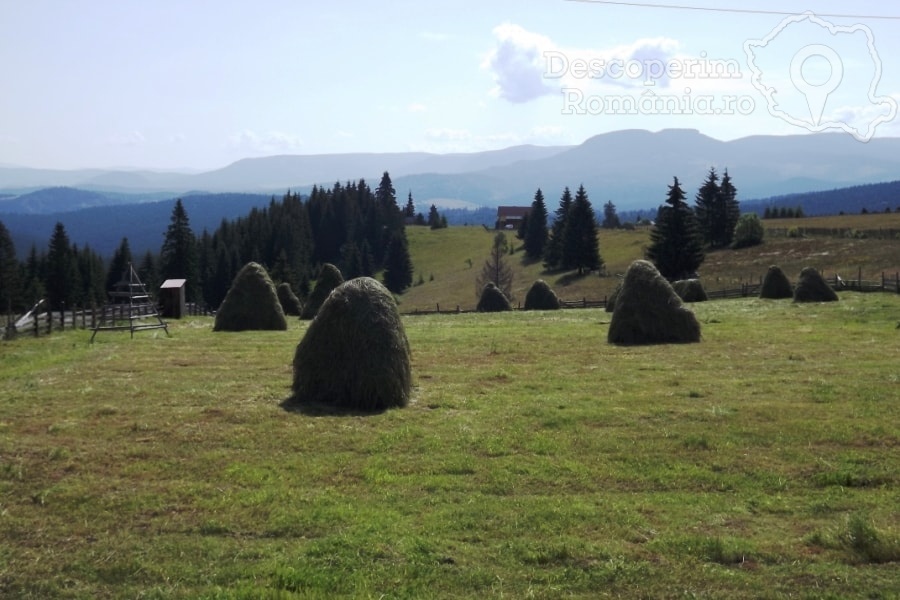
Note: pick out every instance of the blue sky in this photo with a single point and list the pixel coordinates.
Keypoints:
(200, 84)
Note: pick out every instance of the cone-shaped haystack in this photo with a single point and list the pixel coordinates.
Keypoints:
(329, 278)
(355, 354)
(492, 300)
(648, 311)
(541, 297)
(776, 285)
(290, 303)
(613, 296)
(812, 287)
(251, 303)
(690, 290)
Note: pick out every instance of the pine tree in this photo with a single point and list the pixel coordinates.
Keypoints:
(676, 244)
(581, 249)
(178, 257)
(398, 268)
(148, 271)
(434, 218)
(553, 250)
(92, 275)
(536, 230)
(10, 282)
(610, 216)
(410, 212)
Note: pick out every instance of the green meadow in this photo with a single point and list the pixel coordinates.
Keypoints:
(535, 461)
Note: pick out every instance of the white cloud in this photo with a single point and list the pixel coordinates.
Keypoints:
(416, 107)
(517, 64)
(270, 142)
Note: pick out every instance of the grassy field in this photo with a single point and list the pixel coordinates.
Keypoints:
(448, 261)
(535, 461)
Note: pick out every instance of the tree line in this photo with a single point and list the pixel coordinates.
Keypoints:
(360, 230)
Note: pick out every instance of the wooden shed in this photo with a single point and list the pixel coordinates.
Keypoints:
(171, 298)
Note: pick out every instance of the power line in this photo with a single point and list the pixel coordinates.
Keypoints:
(732, 10)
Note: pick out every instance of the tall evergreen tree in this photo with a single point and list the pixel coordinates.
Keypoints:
(731, 211)
(398, 268)
(61, 278)
(10, 282)
(410, 212)
(118, 266)
(707, 206)
(178, 257)
(553, 250)
(536, 227)
(581, 249)
(92, 275)
(434, 218)
(676, 244)
(610, 216)
(148, 271)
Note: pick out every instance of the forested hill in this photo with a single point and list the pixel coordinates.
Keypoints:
(102, 228)
(873, 197)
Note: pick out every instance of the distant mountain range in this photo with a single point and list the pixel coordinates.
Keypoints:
(632, 168)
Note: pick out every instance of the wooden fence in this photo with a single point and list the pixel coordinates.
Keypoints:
(37, 322)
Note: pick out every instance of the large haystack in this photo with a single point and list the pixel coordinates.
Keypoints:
(648, 311)
(290, 303)
(355, 354)
(251, 303)
(329, 278)
(541, 296)
(492, 300)
(812, 287)
(776, 285)
(690, 290)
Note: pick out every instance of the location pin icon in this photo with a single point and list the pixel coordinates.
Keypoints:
(816, 94)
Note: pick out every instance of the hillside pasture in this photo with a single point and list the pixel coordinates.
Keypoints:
(534, 460)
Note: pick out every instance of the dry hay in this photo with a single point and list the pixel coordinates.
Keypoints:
(812, 287)
(776, 285)
(290, 303)
(541, 296)
(690, 290)
(251, 303)
(355, 353)
(648, 311)
(492, 300)
(329, 278)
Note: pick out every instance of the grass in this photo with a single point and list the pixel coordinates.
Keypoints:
(535, 460)
(442, 261)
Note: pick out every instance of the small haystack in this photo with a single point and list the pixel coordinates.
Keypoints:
(541, 296)
(355, 354)
(492, 300)
(251, 303)
(648, 311)
(290, 303)
(812, 287)
(776, 285)
(690, 290)
(329, 278)
(613, 296)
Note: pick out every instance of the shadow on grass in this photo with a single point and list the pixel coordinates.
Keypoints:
(292, 404)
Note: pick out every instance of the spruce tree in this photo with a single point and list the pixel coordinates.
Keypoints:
(610, 216)
(10, 283)
(731, 211)
(410, 211)
(581, 249)
(178, 257)
(676, 244)
(553, 251)
(536, 229)
(398, 268)
(118, 267)
(434, 218)
(61, 278)
(706, 207)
